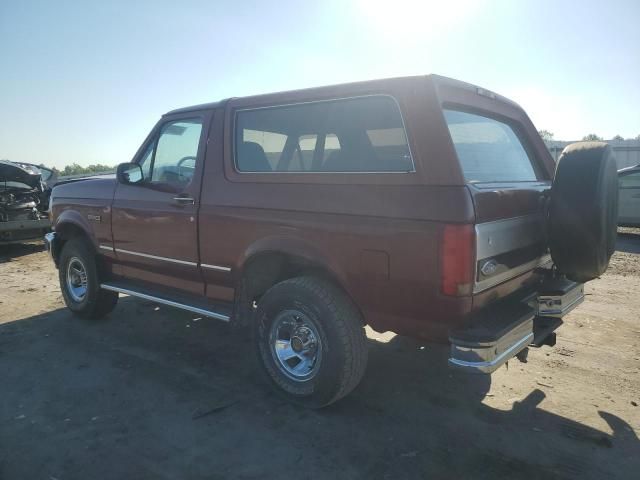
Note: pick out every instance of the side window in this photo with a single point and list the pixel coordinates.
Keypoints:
(631, 180)
(390, 145)
(303, 156)
(363, 134)
(176, 151)
(261, 150)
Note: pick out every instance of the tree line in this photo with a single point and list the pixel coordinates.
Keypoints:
(75, 169)
(591, 137)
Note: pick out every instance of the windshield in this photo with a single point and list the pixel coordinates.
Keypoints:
(488, 150)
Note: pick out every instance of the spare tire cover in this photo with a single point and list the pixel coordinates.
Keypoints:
(583, 210)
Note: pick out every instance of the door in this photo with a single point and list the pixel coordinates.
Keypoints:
(154, 224)
(629, 199)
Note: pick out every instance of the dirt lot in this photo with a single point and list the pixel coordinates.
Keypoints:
(158, 393)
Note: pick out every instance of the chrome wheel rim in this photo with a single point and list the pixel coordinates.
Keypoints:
(295, 345)
(76, 279)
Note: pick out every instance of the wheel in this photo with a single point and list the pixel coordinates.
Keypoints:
(583, 210)
(80, 283)
(310, 340)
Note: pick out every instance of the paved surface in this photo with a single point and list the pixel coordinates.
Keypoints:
(154, 392)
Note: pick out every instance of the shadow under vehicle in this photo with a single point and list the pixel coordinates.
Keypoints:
(143, 396)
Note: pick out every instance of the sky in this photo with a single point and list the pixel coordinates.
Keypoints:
(85, 81)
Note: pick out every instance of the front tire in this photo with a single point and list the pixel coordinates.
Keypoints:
(311, 341)
(80, 283)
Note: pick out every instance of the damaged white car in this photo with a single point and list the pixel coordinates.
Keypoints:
(24, 201)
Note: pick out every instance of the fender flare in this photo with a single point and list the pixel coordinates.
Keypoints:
(295, 247)
(77, 221)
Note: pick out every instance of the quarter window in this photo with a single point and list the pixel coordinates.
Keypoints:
(363, 134)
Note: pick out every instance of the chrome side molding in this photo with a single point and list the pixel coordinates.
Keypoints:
(164, 301)
(155, 257)
(216, 267)
(219, 268)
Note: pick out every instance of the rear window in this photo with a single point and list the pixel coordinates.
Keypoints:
(364, 134)
(488, 150)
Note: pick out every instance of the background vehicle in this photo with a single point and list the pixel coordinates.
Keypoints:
(420, 205)
(629, 185)
(24, 200)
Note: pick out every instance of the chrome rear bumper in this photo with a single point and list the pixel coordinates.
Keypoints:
(500, 332)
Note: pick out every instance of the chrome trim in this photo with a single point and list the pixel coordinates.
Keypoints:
(164, 301)
(577, 292)
(155, 257)
(49, 241)
(215, 267)
(500, 236)
(509, 274)
(489, 366)
(106, 247)
(540, 185)
(186, 200)
(404, 127)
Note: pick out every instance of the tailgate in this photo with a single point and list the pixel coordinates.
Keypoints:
(508, 172)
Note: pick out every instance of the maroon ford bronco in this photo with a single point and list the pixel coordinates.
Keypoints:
(423, 206)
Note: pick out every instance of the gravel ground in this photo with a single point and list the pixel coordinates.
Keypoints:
(154, 392)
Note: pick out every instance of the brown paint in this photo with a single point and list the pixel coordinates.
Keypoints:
(376, 234)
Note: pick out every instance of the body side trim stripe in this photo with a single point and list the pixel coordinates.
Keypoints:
(216, 267)
(166, 259)
(155, 257)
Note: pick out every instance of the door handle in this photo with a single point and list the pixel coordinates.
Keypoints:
(184, 200)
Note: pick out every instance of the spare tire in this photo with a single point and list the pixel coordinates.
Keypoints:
(583, 210)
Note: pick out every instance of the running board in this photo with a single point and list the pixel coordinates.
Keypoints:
(114, 287)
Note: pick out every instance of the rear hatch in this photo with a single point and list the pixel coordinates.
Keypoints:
(508, 172)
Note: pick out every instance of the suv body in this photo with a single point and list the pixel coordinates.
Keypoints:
(419, 199)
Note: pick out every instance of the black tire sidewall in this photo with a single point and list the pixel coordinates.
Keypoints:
(583, 211)
(79, 248)
(325, 384)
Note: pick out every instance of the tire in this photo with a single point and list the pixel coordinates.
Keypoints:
(583, 210)
(324, 328)
(77, 256)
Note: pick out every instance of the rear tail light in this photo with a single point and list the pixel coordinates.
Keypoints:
(458, 260)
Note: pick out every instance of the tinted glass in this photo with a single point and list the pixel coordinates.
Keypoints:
(488, 150)
(272, 145)
(176, 153)
(351, 135)
(631, 180)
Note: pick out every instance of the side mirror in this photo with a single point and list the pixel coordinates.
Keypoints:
(129, 173)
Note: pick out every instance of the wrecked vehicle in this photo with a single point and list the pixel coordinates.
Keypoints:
(424, 206)
(24, 201)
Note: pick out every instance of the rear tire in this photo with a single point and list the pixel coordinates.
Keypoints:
(80, 283)
(310, 340)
